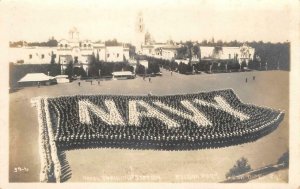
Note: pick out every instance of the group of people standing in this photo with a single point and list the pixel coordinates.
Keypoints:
(79, 83)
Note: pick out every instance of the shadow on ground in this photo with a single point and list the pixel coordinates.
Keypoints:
(66, 171)
(254, 174)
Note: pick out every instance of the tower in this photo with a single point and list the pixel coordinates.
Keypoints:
(139, 33)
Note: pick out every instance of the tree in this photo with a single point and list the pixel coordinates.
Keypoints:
(182, 52)
(241, 166)
(97, 57)
(52, 42)
(113, 42)
(196, 51)
(153, 67)
(53, 56)
(220, 43)
(127, 67)
(204, 42)
(69, 69)
(92, 69)
(132, 53)
(243, 64)
(182, 68)
(189, 45)
(16, 44)
(174, 65)
(216, 52)
(54, 69)
(140, 69)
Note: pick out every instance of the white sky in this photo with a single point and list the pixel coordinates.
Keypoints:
(33, 20)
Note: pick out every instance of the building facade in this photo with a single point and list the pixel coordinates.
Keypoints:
(71, 49)
(243, 53)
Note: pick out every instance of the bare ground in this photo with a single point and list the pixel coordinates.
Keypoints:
(114, 165)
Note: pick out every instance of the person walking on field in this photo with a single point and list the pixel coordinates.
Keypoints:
(171, 72)
(79, 83)
(253, 77)
(149, 79)
(246, 79)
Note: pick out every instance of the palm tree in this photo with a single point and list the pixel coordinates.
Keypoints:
(189, 45)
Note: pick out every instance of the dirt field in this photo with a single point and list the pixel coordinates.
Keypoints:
(114, 165)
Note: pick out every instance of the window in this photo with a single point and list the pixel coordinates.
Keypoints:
(117, 54)
(107, 55)
(61, 45)
(80, 44)
(66, 45)
(89, 45)
(84, 45)
(30, 56)
(43, 56)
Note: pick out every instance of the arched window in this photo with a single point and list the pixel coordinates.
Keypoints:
(61, 45)
(30, 56)
(89, 45)
(42, 56)
(84, 45)
(66, 45)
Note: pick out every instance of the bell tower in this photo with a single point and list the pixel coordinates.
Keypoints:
(139, 33)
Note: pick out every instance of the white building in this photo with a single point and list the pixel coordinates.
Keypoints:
(169, 52)
(31, 55)
(160, 50)
(72, 49)
(114, 54)
(243, 53)
(148, 50)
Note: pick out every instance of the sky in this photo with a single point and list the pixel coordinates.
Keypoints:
(179, 20)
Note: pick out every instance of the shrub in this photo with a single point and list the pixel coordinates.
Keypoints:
(241, 166)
